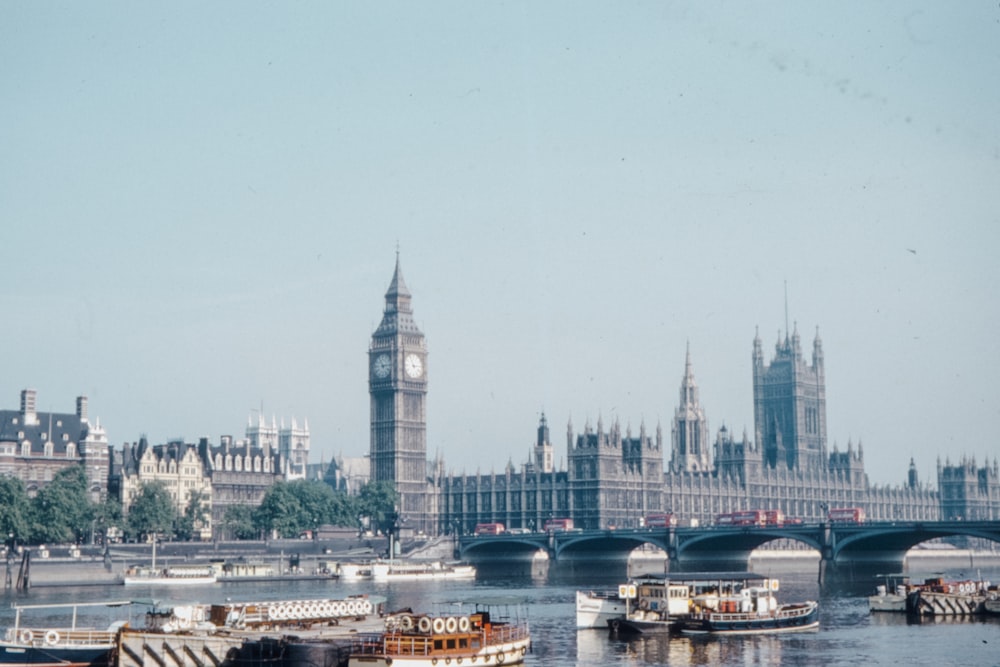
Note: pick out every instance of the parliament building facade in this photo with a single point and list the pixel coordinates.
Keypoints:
(615, 476)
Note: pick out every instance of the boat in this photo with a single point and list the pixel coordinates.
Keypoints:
(658, 603)
(417, 640)
(59, 646)
(891, 595)
(752, 610)
(396, 570)
(936, 597)
(175, 575)
(595, 608)
(414, 571)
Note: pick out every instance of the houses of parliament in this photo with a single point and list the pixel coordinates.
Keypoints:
(615, 477)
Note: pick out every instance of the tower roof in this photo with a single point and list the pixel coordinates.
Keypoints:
(398, 315)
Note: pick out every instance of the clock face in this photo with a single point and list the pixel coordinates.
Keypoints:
(414, 367)
(382, 366)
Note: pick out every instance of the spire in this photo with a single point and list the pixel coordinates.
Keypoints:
(398, 315)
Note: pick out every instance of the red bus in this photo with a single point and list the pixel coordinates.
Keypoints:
(659, 520)
(846, 515)
(742, 518)
(489, 529)
(775, 517)
(556, 525)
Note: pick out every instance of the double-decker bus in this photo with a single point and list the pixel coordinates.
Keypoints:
(661, 520)
(774, 517)
(489, 529)
(742, 518)
(557, 525)
(846, 515)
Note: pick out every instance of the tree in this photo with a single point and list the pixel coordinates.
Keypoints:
(152, 511)
(196, 515)
(279, 511)
(14, 510)
(238, 522)
(61, 512)
(378, 501)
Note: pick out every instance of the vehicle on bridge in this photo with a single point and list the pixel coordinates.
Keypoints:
(557, 525)
(846, 515)
(489, 529)
(742, 518)
(660, 520)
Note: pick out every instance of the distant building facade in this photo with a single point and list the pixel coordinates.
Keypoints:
(233, 472)
(34, 446)
(969, 492)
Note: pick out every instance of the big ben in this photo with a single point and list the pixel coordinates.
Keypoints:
(397, 384)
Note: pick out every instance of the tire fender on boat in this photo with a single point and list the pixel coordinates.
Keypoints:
(51, 637)
(500, 658)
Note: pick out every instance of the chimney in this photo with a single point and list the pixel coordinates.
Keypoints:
(28, 415)
(81, 408)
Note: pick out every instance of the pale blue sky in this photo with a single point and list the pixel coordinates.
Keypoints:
(201, 204)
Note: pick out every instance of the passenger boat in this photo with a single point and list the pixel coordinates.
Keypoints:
(418, 640)
(175, 575)
(661, 603)
(754, 612)
(595, 608)
(397, 570)
(66, 646)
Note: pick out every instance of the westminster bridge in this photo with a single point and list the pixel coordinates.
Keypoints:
(842, 546)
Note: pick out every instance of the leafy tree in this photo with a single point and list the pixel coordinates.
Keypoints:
(279, 512)
(238, 522)
(196, 514)
(152, 511)
(61, 512)
(14, 510)
(378, 501)
(107, 515)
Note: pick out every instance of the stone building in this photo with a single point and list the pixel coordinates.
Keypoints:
(34, 446)
(968, 492)
(176, 465)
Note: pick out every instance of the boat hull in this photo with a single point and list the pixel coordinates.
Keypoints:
(787, 618)
(169, 581)
(13, 655)
(930, 603)
(597, 609)
(511, 653)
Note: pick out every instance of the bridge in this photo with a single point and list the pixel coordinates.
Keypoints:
(880, 545)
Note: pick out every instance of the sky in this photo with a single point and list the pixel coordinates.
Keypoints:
(201, 206)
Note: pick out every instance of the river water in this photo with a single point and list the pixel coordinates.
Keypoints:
(848, 633)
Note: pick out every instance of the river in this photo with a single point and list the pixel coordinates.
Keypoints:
(848, 633)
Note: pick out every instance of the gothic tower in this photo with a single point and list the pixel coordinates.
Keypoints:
(690, 433)
(789, 404)
(397, 384)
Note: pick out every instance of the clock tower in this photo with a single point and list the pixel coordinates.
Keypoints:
(397, 385)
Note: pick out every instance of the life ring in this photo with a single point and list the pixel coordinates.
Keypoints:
(434, 661)
(27, 636)
(406, 622)
(438, 625)
(451, 625)
(447, 661)
(424, 624)
(464, 624)
(352, 608)
(51, 637)
(500, 658)
(524, 651)
(365, 607)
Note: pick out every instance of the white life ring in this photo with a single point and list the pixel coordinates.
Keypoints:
(339, 609)
(424, 624)
(438, 625)
(406, 622)
(366, 607)
(51, 637)
(451, 625)
(464, 624)
(27, 636)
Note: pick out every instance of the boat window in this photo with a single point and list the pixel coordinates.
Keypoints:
(438, 644)
(451, 643)
(463, 642)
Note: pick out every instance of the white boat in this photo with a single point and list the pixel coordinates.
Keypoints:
(595, 608)
(175, 575)
(890, 596)
(395, 570)
(429, 641)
